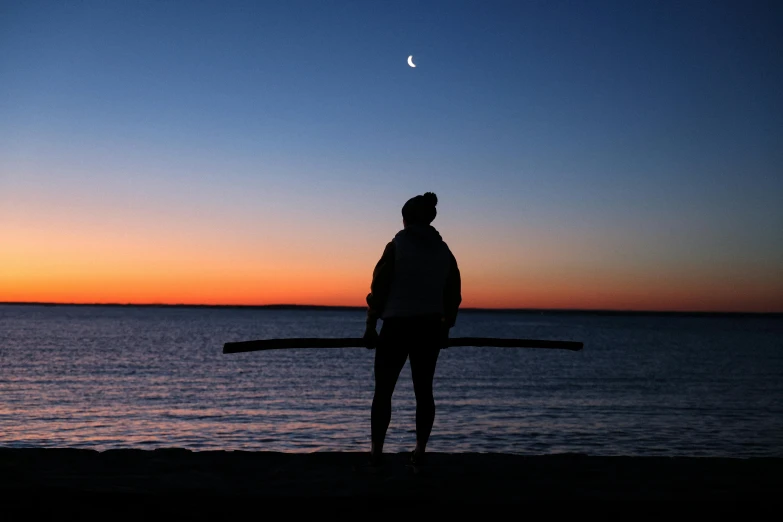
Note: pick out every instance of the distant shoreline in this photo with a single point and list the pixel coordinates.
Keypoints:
(539, 311)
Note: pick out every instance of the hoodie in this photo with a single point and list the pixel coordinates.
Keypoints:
(417, 275)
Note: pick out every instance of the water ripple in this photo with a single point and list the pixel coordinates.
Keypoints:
(107, 378)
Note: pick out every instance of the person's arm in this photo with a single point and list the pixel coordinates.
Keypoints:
(452, 293)
(380, 286)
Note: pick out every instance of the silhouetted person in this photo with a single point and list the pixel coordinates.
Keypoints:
(416, 290)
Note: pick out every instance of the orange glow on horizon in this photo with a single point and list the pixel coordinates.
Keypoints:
(345, 290)
(139, 267)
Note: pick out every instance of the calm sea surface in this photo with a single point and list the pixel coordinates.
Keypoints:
(105, 377)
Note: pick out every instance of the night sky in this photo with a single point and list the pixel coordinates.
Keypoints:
(597, 155)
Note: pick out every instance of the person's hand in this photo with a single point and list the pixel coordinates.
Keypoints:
(370, 338)
(444, 337)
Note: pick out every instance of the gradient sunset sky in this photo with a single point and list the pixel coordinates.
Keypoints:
(586, 154)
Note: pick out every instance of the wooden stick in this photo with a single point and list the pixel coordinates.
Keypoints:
(358, 342)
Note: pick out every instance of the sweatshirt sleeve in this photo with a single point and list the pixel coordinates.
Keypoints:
(452, 293)
(380, 286)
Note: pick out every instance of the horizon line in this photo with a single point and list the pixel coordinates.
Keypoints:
(280, 306)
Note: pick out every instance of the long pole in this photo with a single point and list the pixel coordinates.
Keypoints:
(358, 342)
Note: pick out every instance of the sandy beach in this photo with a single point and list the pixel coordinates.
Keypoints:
(186, 480)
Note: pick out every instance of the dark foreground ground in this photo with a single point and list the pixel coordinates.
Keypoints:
(182, 481)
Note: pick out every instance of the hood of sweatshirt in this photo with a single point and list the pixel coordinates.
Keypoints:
(420, 235)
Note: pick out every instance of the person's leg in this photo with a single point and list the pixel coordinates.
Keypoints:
(390, 357)
(424, 357)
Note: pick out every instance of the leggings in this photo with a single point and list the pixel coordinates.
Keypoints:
(419, 338)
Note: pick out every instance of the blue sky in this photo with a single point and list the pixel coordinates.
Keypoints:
(651, 128)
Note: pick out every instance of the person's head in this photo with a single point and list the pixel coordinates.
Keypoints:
(420, 210)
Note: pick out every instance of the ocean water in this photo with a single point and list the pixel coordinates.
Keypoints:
(140, 377)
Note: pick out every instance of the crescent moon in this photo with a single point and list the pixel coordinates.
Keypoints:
(410, 61)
